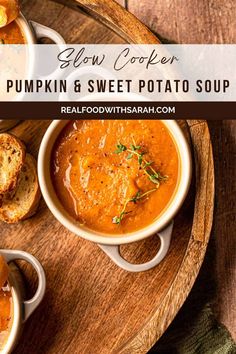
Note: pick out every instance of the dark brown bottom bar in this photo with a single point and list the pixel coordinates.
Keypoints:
(118, 110)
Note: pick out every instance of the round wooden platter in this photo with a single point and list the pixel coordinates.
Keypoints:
(92, 306)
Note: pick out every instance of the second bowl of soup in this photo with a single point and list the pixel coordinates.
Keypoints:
(14, 311)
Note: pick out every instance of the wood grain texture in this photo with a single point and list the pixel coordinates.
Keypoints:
(87, 293)
(194, 21)
(115, 17)
(179, 289)
(208, 22)
(223, 265)
(202, 159)
(77, 27)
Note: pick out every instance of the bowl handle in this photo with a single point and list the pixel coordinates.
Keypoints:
(42, 31)
(32, 304)
(114, 253)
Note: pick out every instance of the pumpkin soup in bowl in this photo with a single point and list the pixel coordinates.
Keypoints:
(6, 314)
(115, 176)
(115, 182)
(14, 310)
(11, 34)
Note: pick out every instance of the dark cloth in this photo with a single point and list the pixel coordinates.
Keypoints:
(195, 329)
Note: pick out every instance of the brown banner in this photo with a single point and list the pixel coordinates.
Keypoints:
(118, 110)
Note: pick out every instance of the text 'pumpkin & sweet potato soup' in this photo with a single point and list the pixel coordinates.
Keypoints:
(115, 176)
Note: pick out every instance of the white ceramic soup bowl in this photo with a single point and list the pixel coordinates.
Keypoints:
(21, 309)
(32, 32)
(162, 226)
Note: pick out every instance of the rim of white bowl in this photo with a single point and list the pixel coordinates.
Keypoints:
(26, 28)
(17, 320)
(30, 38)
(65, 219)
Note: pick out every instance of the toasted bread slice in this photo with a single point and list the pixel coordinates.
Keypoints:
(4, 271)
(12, 157)
(23, 202)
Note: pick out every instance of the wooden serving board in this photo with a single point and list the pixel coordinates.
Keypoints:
(92, 306)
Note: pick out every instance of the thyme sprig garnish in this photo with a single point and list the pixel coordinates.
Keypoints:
(134, 199)
(135, 150)
(153, 175)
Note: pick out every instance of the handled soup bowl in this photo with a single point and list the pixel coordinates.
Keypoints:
(162, 226)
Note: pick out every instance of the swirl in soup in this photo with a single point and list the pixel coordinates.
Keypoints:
(115, 176)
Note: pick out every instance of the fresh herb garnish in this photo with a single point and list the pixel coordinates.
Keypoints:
(120, 148)
(135, 150)
(117, 219)
(154, 176)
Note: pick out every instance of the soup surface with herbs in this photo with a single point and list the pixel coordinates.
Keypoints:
(5, 315)
(115, 176)
(11, 34)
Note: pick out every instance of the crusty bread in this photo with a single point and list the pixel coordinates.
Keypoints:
(12, 157)
(4, 271)
(23, 202)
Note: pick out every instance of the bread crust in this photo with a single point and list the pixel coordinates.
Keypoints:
(10, 142)
(37, 196)
(24, 212)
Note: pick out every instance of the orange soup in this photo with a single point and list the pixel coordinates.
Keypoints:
(11, 34)
(5, 315)
(115, 176)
